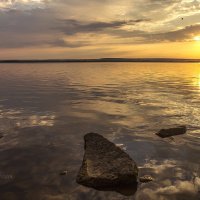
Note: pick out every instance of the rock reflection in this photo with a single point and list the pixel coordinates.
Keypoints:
(124, 190)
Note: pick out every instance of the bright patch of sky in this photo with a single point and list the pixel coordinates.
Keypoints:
(21, 4)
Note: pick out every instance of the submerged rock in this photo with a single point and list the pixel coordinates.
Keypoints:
(146, 179)
(1, 135)
(163, 133)
(105, 165)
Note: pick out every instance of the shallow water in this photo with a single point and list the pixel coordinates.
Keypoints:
(46, 109)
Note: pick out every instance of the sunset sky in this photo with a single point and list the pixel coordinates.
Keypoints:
(42, 29)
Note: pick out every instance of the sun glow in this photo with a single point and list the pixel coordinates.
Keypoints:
(197, 38)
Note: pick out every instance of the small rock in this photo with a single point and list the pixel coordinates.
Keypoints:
(6, 178)
(105, 165)
(163, 133)
(63, 173)
(121, 146)
(146, 179)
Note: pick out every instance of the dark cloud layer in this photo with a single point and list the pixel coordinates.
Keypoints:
(184, 34)
(70, 26)
(181, 35)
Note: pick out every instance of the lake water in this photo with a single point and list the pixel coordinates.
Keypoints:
(46, 109)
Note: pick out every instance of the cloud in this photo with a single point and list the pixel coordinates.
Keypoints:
(69, 44)
(21, 4)
(70, 26)
(36, 42)
(65, 24)
(184, 34)
(181, 35)
(42, 28)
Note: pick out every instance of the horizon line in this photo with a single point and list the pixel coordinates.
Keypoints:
(183, 60)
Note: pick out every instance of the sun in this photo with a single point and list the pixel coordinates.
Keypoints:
(197, 38)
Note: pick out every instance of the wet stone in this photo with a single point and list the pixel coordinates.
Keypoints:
(63, 173)
(163, 133)
(6, 178)
(105, 165)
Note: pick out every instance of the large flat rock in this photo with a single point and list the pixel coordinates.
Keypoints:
(105, 165)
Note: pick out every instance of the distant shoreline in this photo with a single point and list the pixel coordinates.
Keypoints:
(167, 60)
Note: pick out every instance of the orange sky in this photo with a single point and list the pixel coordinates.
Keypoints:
(93, 29)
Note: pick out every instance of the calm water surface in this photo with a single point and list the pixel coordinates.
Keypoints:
(46, 109)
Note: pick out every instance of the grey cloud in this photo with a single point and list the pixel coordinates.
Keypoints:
(179, 35)
(142, 37)
(71, 27)
(23, 22)
(20, 29)
(63, 43)
(22, 43)
(28, 42)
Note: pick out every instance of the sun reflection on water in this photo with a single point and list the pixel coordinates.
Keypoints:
(197, 81)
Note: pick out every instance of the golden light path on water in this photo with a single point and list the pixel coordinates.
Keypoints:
(198, 82)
